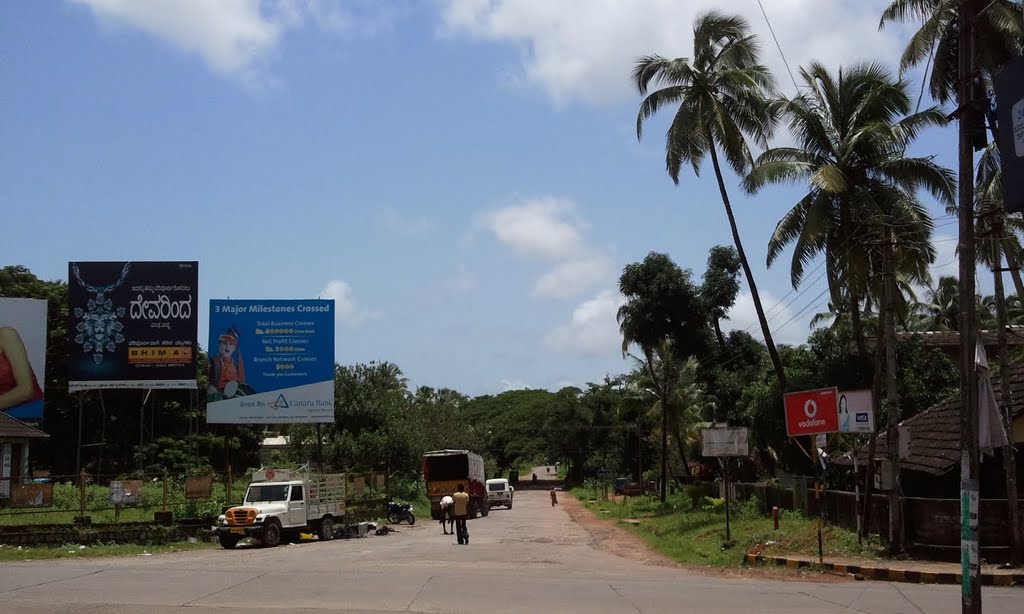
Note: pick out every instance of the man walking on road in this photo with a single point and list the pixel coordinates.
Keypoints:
(461, 508)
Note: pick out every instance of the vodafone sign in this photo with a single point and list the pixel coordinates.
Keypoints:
(811, 412)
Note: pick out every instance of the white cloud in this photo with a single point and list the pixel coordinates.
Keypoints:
(787, 327)
(573, 276)
(575, 51)
(593, 329)
(513, 384)
(234, 37)
(946, 262)
(549, 228)
(402, 224)
(542, 227)
(346, 310)
(464, 280)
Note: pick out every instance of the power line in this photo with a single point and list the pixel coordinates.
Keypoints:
(779, 46)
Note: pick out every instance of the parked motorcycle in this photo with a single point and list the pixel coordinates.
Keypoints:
(397, 512)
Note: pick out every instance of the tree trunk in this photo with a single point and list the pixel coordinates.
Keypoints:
(1014, 266)
(892, 403)
(858, 326)
(773, 352)
(718, 333)
(1006, 401)
(682, 451)
(664, 450)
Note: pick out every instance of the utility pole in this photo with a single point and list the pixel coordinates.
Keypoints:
(1005, 394)
(969, 461)
(892, 399)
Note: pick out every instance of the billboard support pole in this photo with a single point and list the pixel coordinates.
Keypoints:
(78, 448)
(725, 477)
(142, 424)
(319, 449)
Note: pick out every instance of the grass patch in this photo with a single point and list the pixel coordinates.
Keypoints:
(76, 551)
(697, 536)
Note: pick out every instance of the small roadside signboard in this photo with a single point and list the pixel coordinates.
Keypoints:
(812, 411)
(856, 412)
(724, 441)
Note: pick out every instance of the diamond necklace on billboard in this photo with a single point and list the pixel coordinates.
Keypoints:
(133, 325)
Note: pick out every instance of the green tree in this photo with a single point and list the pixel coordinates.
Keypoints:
(720, 287)
(852, 130)
(936, 42)
(721, 99)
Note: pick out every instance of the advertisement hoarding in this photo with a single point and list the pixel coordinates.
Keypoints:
(724, 441)
(132, 325)
(271, 361)
(1009, 86)
(811, 412)
(22, 358)
(856, 413)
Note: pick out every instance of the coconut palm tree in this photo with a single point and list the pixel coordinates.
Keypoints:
(720, 97)
(852, 128)
(671, 386)
(998, 37)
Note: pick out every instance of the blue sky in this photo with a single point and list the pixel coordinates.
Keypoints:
(462, 176)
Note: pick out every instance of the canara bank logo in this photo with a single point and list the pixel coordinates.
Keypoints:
(280, 403)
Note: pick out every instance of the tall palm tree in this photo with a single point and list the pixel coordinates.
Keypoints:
(721, 100)
(851, 130)
(997, 233)
(998, 38)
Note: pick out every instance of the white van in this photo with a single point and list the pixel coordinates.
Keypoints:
(499, 492)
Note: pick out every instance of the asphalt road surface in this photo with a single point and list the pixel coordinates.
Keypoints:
(531, 558)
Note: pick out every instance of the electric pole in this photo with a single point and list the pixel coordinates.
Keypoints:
(969, 461)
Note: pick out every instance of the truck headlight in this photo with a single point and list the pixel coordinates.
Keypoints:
(259, 518)
(222, 519)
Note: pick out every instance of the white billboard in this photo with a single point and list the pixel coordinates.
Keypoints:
(724, 441)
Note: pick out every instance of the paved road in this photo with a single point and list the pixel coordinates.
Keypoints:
(528, 559)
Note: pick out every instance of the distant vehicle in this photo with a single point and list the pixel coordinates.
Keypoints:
(606, 474)
(499, 492)
(283, 503)
(444, 470)
(513, 476)
(619, 486)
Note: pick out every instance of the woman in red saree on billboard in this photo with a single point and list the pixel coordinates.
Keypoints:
(18, 383)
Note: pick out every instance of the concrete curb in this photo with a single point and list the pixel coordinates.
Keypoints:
(888, 575)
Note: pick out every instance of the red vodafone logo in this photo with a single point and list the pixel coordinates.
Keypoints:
(270, 474)
(812, 411)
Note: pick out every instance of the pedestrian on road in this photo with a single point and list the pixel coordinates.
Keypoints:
(554, 497)
(447, 515)
(534, 478)
(460, 504)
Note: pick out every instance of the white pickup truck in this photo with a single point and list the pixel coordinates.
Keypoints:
(282, 503)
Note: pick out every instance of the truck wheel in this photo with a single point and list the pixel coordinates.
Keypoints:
(326, 532)
(510, 504)
(485, 509)
(227, 540)
(271, 533)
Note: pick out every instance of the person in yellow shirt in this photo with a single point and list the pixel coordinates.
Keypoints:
(461, 509)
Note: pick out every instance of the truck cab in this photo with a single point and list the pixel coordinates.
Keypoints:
(282, 504)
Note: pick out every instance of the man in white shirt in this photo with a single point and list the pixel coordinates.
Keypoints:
(447, 518)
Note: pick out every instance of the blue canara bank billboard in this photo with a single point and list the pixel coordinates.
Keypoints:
(271, 362)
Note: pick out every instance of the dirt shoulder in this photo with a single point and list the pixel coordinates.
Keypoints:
(610, 536)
